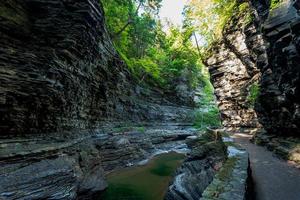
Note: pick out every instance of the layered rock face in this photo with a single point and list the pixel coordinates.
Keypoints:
(59, 71)
(198, 170)
(213, 170)
(63, 91)
(233, 71)
(75, 168)
(279, 102)
(265, 51)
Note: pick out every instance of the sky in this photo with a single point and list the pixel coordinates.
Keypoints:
(172, 10)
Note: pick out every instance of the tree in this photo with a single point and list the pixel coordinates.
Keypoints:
(148, 6)
(208, 17)
(153, 56)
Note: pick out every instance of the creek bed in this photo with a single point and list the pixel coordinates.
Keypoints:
(147, 182)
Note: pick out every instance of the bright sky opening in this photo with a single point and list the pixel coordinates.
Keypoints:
(171, 10)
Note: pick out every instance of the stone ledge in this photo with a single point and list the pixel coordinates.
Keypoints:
(231, 182)
(287, 148)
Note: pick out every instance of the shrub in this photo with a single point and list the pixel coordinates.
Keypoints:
(275, 4)
(210, 118)
(253, 94)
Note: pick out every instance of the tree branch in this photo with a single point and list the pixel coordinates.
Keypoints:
(129, 21)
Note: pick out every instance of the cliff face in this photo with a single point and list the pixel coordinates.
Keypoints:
(265, 51)
(233, 71)
(279, 101)
(63, 92)
(59, 71)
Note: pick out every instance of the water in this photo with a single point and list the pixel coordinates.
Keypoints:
(148, 182)
(233, 151)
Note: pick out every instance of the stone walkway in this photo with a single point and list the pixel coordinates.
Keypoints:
(274, 179)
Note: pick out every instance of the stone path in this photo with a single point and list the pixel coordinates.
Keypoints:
(274, 179)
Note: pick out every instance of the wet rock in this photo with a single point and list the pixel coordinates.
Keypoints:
(198, 170)
(44, 167)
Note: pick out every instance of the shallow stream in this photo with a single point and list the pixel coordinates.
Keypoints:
(147, 182)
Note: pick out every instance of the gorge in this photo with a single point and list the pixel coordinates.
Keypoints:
(72, 111)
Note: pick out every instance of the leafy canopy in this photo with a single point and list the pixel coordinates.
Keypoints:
(153, 56)
(160, 58)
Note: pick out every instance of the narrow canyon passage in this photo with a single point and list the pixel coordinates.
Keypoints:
(274, 179)
(103, 99)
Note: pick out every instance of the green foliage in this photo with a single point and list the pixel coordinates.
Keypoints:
(153, 56)
(141, 129)
(253, 94)
(209, 17)
(210, 118)
(244, 9)
(208, 92)
(275, 4)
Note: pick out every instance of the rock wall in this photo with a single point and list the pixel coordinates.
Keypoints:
(72, 167)
(208, 153)
(265, 51)
(279, 102)
(233, 71)
(65, 95)
(59, 71)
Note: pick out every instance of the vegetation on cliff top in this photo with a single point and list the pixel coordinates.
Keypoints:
(208, 18)
(153, 56)
(165, 58)
(275, 4)
(158, 57)
(161, 58)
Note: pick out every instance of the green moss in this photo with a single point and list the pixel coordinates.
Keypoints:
(253, 94)
(231, 144)
(215, 189)
(245, 10)
(226, 171)
(11, 14)
(141, 129)
(208, 144)
(225, 134)
(275, 4)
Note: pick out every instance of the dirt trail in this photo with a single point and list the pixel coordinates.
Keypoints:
(274, 179)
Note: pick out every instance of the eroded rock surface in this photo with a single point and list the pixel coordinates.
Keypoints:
(63, 92)
(198, 170)
(59, 71)
(233, 71)
(279, 101)
(263, 51)
(71, 167)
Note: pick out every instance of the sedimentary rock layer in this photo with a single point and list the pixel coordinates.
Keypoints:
(63, 92)
(279, 102)
(59, 71)
(233, 71)
(198, 170)
(73, 167)
(265, 51)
